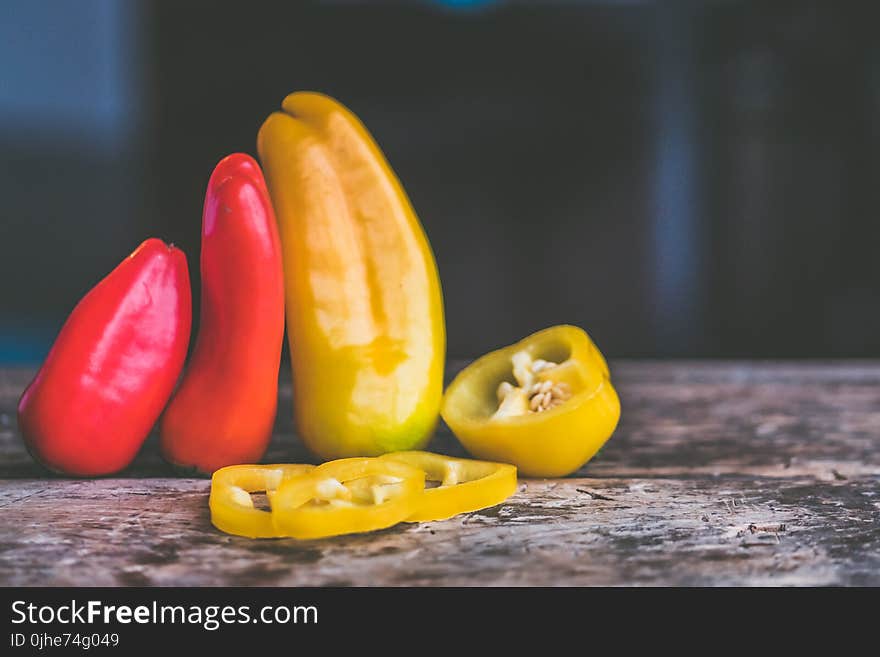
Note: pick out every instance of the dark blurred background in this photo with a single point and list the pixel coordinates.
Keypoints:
(681, 179)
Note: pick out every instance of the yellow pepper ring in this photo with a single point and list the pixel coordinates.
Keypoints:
(232, 508)
(294, 516)
(465, 484)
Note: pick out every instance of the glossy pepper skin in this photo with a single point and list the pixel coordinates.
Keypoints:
(224, 409)
(552, 443)
(364, 307)
(112, 367)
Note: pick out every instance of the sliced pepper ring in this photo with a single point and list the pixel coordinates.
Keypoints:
(465, 484)
(232, 508)
(319, 504)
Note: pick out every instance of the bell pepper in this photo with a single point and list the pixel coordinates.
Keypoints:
(112, 367)
(230, 501)
(465, 485)
(364, 307)
(319, 504)
(224, 409)
(545, 404)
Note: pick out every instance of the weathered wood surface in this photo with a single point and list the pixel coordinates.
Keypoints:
(719, 474)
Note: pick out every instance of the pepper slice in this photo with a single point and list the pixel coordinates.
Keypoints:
(319, 504)
(232, 508)
(545, 404)
(465, 484)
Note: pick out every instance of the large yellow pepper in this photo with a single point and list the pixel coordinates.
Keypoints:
(545, 404)
(364, 307)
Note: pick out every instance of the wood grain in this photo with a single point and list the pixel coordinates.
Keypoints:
(719, 474)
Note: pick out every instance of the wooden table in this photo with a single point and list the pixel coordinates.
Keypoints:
(721, 473)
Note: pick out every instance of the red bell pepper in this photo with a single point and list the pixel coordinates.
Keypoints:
(224, 410)
(112, 367)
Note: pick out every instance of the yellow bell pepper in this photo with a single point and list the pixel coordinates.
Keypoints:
(364, 306)
(319, 504)
(232, 508)
(465, 484)
(545, 404)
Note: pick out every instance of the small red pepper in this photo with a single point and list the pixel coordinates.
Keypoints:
(112, 367)
(224, 410)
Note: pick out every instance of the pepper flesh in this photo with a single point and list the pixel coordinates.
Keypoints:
(364, 307)
(319, 504)
(224, 409)
(112, 367)
(231, 504)
(465, 484)
(551, 443)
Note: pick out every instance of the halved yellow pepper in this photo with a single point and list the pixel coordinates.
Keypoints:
(319, 504)
(232, 508)
(545, 404)
(364, 307)
(465, 484)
